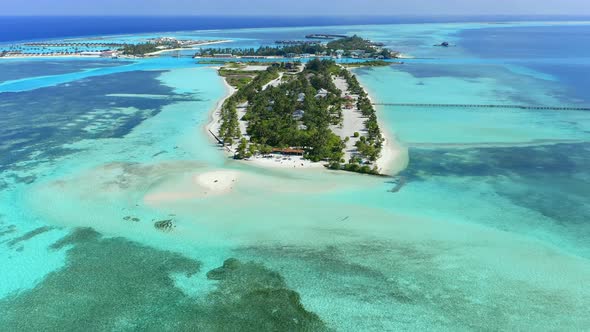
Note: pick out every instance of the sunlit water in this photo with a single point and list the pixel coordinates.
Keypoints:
(489, 232)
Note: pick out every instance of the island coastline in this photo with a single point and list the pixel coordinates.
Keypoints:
(392, 160)
(112, 53)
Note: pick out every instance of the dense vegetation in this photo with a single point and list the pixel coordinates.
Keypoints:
(295, 114)
(267, 50)
(298, 114)
(355, 167)
(238, 78)
(347, 46)
(351, 43)
(369, 146)
(150, 47)
(139, 49)
(374, 63)
(230, 128)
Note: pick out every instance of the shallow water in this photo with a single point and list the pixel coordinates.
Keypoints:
(489, 231)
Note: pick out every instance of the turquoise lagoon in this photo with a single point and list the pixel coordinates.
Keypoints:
(489, 232)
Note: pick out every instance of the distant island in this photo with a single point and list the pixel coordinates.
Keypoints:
(339, 46)
(352, 47)
(151, 47)
(443, 44)
(298, 115)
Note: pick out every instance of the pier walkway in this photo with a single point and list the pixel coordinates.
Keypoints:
(522, 107)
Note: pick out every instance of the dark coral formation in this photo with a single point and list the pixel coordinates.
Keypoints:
(29, 235)
(165, 225)
(130, 218)
(112, 284)
(253, 298)
(7, 230)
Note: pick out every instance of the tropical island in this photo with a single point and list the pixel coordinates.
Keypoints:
(149, 47)
(298, 115)
(352, 47)
(159, 45)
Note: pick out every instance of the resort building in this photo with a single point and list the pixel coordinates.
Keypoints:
(298, 114)
(90, 54)
(289, 152)
(322, 93)
(109, 54)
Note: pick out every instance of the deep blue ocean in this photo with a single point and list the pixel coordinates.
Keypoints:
(559, 51)
(30, 28)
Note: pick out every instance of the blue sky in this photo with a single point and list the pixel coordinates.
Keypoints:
(295, 7)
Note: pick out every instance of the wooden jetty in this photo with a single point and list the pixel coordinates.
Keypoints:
(221, 142)
(522, 107)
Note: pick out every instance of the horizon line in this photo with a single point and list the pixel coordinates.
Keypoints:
(302, 15)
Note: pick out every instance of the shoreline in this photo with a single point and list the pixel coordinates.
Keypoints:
(192, 47)
(53, 56)
(215, 114)
(124, 57)
(394, 157)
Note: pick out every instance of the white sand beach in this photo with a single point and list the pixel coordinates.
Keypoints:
(215, 115)
(352, 122)
(293, 162)
(217, 182)
(193, 186)
(394, 157)
(192, 47)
